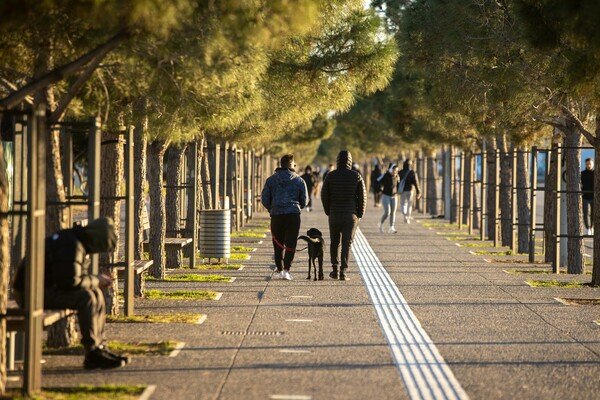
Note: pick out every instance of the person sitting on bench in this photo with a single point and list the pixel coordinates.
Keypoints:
(68, 285)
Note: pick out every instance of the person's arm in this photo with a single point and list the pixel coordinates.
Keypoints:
(266, 197)
(361, 197)
(68, 266)
(417, 187)
(325, 195)
(303, 194)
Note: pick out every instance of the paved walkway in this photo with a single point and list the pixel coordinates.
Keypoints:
(272, 339)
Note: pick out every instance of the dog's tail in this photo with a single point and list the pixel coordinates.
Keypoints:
(309, 239)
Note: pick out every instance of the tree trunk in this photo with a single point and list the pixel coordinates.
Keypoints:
(64, 332)
(550, 208)
(140, 142)
(111, 184)
(431, 185)
(523, 206)
(491, 188)
(173, 200)
(156, 154)
(505, 191)
(206, 182)
(4, 266)
(466, 203)
(575, 247)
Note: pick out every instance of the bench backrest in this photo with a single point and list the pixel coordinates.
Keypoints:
(145, 224)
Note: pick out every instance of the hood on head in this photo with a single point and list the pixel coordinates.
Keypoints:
(392, 166)
(99, 236)
(344, 159)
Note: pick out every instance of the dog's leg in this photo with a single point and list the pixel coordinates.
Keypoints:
(320, 267)
(314, 262)
(308, 277)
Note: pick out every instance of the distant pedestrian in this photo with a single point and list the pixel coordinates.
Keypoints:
(317, 180)
(284, 195)
(327, 171)
(309, 179)
(376, 187)
(344, 200)
(408, 187)
(389, 198)
(587, 188)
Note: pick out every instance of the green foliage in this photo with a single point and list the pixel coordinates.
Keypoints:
(87, 392)
(181, 295)
(155, 319)
(191, 278)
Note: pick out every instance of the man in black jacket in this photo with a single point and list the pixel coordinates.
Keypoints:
(67, 284)
(344, 200)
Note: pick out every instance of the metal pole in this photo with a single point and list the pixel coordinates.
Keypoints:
(461, 189)
(224, 189)
(447, 183)
(471, 218)
(497, 199)
(533, 202)
(193, 199)
(215, 177)
(34, 273)
(94, 181)
(556, 260)
(129, 233)
(513, 202)
(484, 211)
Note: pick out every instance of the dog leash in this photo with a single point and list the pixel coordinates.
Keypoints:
(278, 243)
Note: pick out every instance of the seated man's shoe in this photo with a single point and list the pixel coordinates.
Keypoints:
(109, 353)
(99, 359)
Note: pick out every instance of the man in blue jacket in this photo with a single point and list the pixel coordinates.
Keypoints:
(285, 195)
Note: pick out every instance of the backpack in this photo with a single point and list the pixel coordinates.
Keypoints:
(402, 182)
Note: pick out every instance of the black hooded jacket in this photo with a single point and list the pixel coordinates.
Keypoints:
(344, 189)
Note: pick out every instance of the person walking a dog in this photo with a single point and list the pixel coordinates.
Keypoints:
(344, 199)
(389, 198)
(285, 195)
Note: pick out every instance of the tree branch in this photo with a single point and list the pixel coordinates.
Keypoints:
(10, 86)
(60, 73)
(573, 118)
(61, 108)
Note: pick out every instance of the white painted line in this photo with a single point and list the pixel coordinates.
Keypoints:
(201, 319)
(486, 260)
(562, 301)
(528, 283)
(149, 391)
(232, 279)
(294, 351)
(301, 297)
(298, 320)
(597, 323)
(289, 397)
(218, 296)
(177, 349)
(421, 366)
(457, 244)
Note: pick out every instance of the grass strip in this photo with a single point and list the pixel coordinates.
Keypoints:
(493, 253)
(239, 256)
(583, 302)
(248, 235)
(439, 225)
(155, 319)
(191, 278)
(85, 392)
(204, 267)
(163, 348)
(461, 238)
(556, 284)
(475, 245)
(243, 248)
(181, 295)
(515, 261)
(528, 271)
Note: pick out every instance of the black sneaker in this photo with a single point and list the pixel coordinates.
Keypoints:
(333, 274)
(109, 353)
(99, 359)
(343, 276)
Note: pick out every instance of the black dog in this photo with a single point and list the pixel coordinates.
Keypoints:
(316, 247)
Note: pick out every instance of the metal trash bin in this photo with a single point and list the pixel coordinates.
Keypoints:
(215, 234)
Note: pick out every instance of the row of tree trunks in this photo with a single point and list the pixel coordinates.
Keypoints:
(431, 189)
(491, 189)
(573, 141)
(157, 218)
(505, 190)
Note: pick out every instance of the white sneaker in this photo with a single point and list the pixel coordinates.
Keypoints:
(286, 275)
(407, 219)
(392, 230)
(380, 227)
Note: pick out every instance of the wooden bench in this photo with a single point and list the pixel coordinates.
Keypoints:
(15, 322)
(140, 267)
(171, 243)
